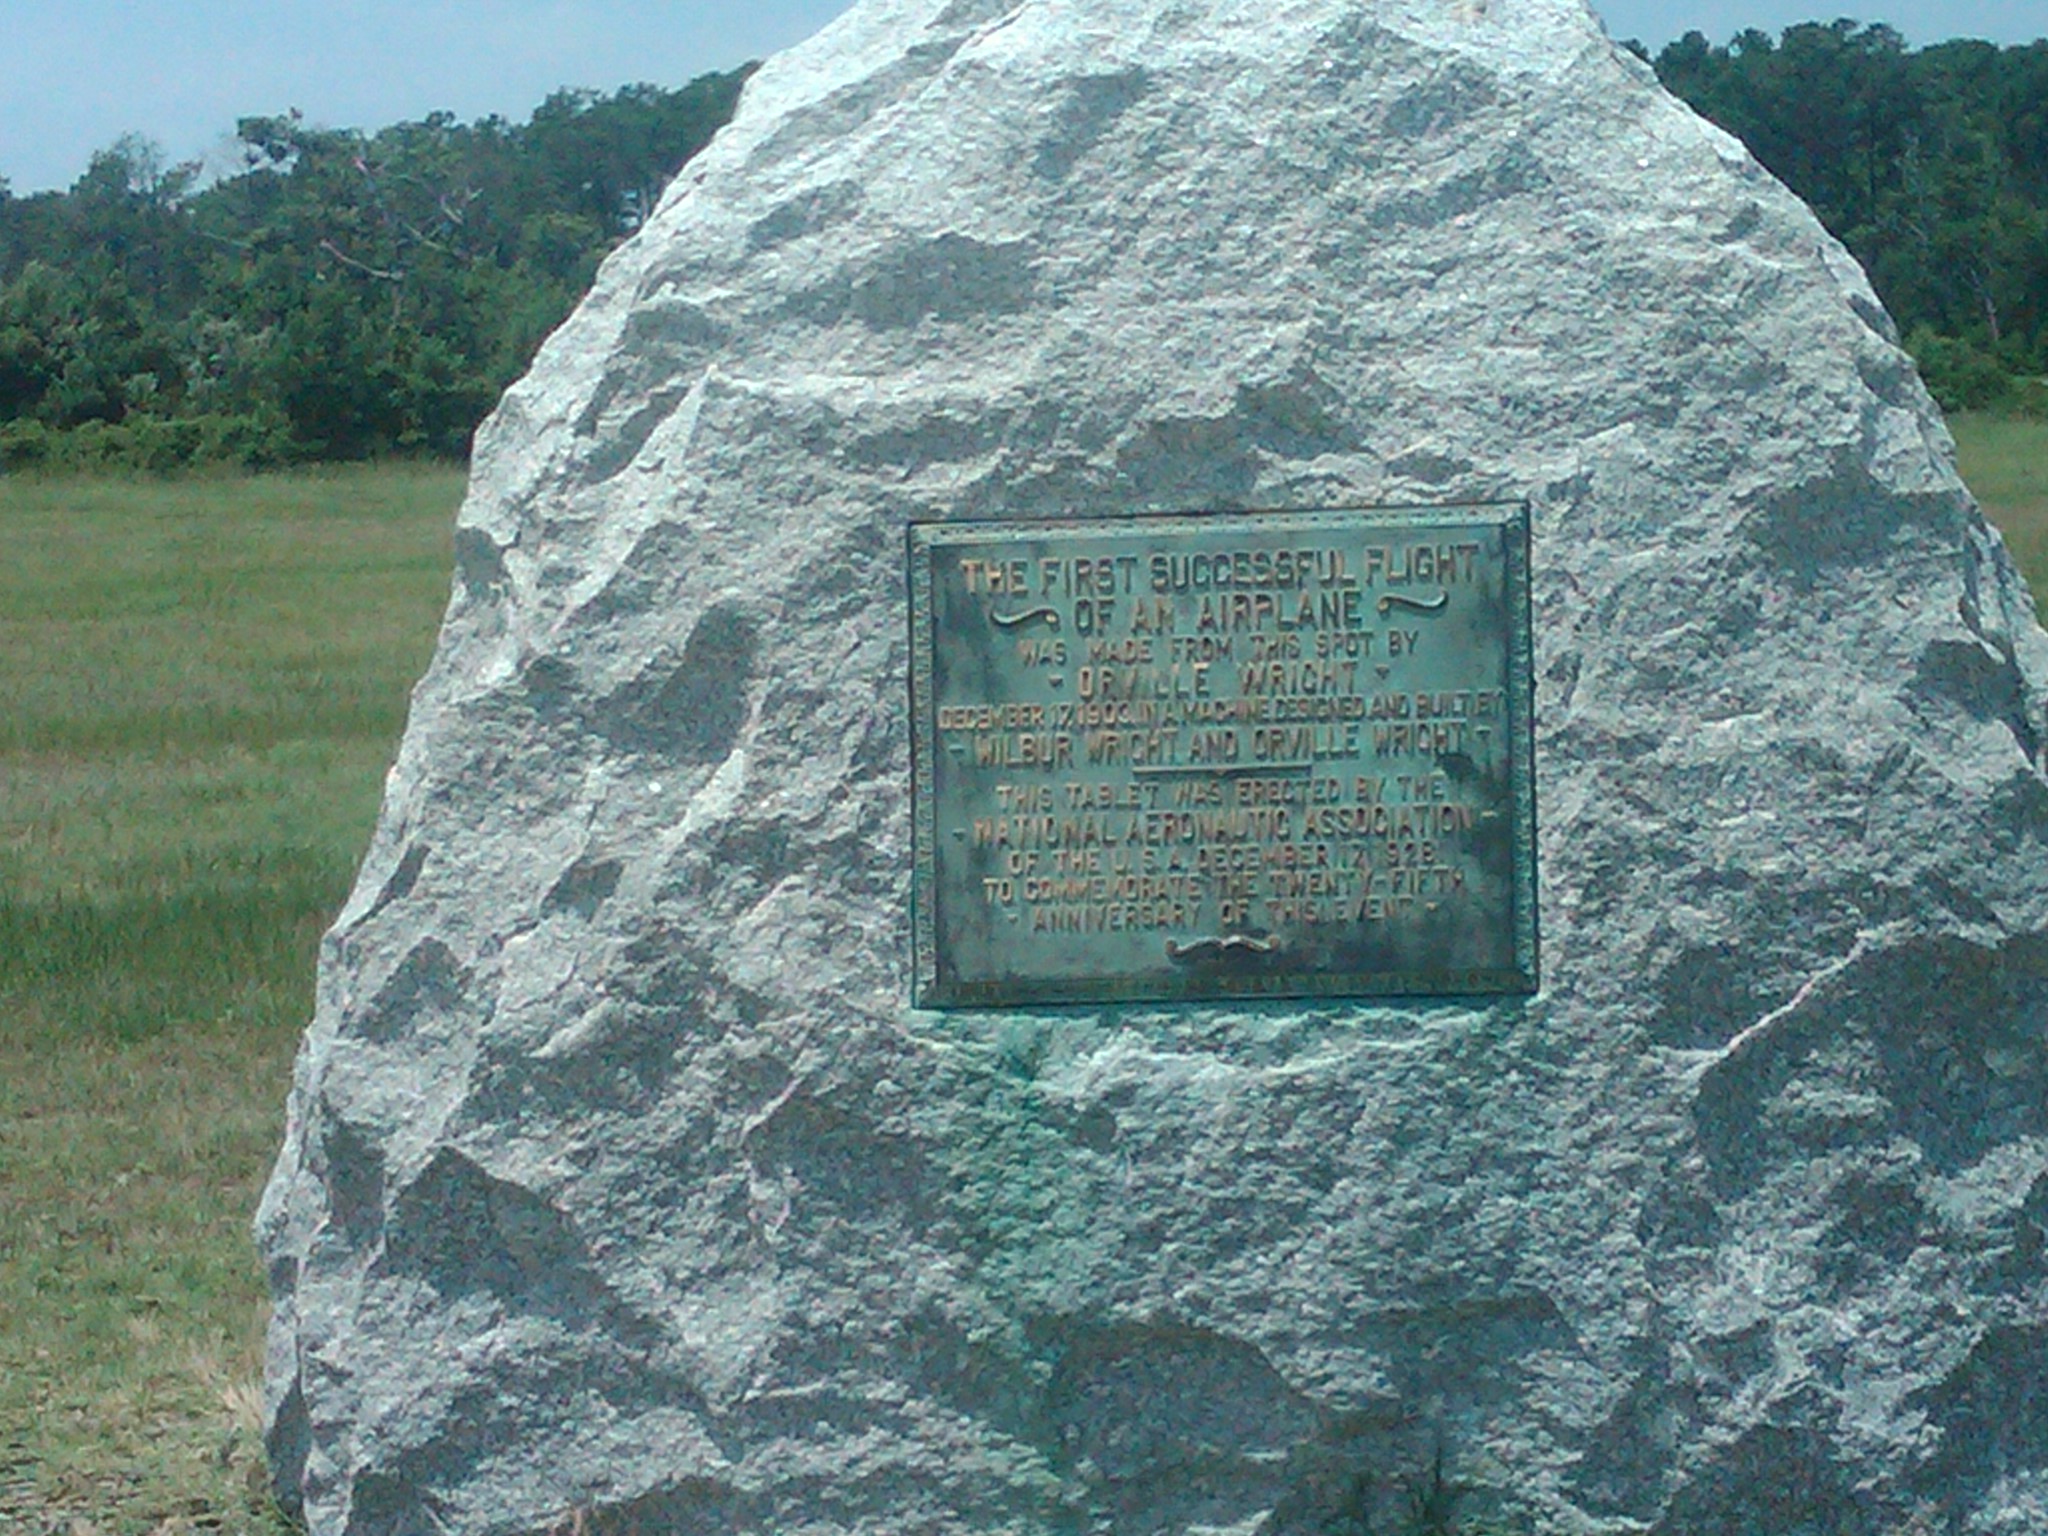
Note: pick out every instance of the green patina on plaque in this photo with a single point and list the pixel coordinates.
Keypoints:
(1223, 755)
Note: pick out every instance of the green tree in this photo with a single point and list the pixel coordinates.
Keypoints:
(1931, 166)
(345, 293)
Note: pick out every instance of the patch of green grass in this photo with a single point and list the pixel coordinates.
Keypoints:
(2004, 459)
(215, 673)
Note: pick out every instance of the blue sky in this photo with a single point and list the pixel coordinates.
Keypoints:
(76, 75)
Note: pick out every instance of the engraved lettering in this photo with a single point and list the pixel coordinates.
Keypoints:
(1245, 754)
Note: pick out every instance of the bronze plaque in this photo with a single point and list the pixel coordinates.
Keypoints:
(1222, 755)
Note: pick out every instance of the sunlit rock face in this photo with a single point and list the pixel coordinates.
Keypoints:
(623, 1185)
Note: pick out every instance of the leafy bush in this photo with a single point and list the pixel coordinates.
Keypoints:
(2029, 399)
(24, 445)
(1960, 376)
(255, 439)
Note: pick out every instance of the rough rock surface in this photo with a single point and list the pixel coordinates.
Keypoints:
(622, 1184)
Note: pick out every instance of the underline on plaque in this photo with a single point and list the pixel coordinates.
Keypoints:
(1225, 771)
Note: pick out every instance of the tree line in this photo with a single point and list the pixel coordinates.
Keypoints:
(344, 295)
(1930, 165)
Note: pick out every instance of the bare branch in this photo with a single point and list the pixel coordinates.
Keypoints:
(343, 256)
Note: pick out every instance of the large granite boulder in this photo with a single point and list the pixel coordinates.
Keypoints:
(623, 1189)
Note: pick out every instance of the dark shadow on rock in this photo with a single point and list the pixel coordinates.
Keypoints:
(462, 1230)
(1773, 1478)
(1936, 1039)
(584, 886)
(1090, 107)
(1170, 1423)
(690, 711)
(403, 879)
(1991, 1412)
(353, 1166)
(428, 992)
(1983, 681)
(684, 1504)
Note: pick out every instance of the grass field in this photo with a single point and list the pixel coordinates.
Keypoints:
(206, 681)
(2005, 461)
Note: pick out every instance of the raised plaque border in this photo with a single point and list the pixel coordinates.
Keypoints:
(1511, 518)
